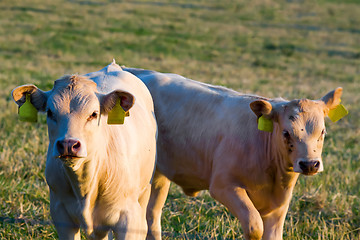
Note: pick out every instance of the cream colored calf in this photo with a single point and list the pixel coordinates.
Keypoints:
(209, 139)
(99, 175)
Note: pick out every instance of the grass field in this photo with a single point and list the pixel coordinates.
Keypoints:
(293, 49)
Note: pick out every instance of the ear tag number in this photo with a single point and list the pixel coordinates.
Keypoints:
(265, 124)
(117, 114)
(337, 113)
(27, 111)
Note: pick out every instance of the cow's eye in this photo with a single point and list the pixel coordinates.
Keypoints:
(286, 134)
(93, 116)
(323, 132)
(50, 115)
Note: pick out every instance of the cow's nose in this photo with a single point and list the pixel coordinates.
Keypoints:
(68, 147)
(309, 167)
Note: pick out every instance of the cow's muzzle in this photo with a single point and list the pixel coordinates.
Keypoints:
(70, 148)
(309, 166)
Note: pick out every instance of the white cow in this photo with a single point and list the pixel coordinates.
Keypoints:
(209, 139)
(99, 175)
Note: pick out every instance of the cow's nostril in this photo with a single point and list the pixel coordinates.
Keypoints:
(76, 145)
(302, 165)
(60, 146)
(73, 146)
(317, 164)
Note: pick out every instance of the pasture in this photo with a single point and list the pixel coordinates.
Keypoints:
(293, 49)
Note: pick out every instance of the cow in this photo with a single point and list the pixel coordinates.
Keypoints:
(209, 139)
(99, 175)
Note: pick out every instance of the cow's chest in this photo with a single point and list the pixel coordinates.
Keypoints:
(56, 178)
(270, 198)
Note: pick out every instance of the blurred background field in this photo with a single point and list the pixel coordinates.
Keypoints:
(293, 49)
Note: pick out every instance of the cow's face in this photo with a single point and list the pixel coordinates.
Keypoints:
(299, 128)
(302, 128)
(73, 109)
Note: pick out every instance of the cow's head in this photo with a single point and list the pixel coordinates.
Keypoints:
(299, 128)
(73, 108)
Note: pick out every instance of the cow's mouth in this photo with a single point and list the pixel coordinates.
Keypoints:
(309, 173)
(69, 157)
(71, 161)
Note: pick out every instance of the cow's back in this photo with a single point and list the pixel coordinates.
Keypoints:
(194, 122)
(112, 77)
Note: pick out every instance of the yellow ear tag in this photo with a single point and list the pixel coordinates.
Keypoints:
(265, 124)
(117, 114)
(27, 111)
(337, 113)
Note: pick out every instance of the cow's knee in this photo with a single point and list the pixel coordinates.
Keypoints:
(255, 231)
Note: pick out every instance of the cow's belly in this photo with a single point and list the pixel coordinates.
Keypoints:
(185, 168)
(190, 183)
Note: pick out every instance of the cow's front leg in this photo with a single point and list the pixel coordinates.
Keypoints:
(274, 223)
(159, 191)
(144, 199)
(238, 202)
(65, 226)
(132, 222)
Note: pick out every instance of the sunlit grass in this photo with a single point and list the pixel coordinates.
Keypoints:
(292, 49)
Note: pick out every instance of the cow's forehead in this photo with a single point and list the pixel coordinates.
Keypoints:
(304, 115)
(74, 83)
(304, 107)
(73, 93)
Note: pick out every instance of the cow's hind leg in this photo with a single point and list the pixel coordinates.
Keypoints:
(159, 191)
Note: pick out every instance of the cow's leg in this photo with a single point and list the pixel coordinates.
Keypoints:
(159, 191)
(144, 199)
(101, 233)
(64, 225)
(132, 223)
(274, 223)
(238, 202)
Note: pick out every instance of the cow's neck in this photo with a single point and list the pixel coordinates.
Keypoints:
(113, 184)
(82, 176)
(280, 164)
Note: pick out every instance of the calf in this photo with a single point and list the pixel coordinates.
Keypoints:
(98, 174)
(209, 139)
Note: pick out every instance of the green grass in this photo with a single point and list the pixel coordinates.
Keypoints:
(292, 49)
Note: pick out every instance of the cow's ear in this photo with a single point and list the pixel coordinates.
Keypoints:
(262, 108)
(109, 100)
(38, 98)
(332, 99)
